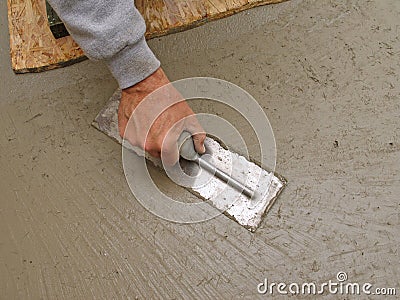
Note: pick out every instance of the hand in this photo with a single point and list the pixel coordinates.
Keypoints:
(156, 125)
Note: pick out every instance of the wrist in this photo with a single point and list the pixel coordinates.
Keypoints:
(155, 80)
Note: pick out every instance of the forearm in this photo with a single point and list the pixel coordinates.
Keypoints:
(112, 31)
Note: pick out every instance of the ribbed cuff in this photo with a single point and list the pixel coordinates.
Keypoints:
(133, 64)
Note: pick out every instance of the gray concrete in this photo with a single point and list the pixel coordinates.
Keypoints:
(327, 74)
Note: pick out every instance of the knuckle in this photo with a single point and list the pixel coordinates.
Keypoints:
(200, 137)
(150, 146)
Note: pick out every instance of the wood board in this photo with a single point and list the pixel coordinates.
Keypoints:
(33, 47)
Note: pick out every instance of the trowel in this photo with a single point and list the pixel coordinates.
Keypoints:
(244, 197)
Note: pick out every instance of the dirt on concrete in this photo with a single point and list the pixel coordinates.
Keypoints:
(327, 74)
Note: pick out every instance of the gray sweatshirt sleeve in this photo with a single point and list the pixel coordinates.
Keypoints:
(112, 31)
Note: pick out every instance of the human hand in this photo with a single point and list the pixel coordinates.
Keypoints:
(157, 122)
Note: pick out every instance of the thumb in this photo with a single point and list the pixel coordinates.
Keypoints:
(198, 141)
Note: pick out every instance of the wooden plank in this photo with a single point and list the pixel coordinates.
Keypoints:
(33, 47)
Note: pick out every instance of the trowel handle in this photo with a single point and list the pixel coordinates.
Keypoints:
(186, 146)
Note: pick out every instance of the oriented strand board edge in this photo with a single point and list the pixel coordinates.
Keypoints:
(210, 17)
(49, 67)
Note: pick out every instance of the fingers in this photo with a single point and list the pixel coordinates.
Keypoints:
(126, 130)
(199, 134)
(151, 147)
(170, 150)
(122, 122)
(155, 154)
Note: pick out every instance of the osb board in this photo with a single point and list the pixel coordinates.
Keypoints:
(33, 47)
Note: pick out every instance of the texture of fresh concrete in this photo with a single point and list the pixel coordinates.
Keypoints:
(327, 74)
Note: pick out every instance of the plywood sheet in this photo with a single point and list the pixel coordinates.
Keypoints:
(33, 47)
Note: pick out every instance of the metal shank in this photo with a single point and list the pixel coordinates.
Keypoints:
(225, 177)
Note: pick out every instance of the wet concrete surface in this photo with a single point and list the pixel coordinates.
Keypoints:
(326, 74)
